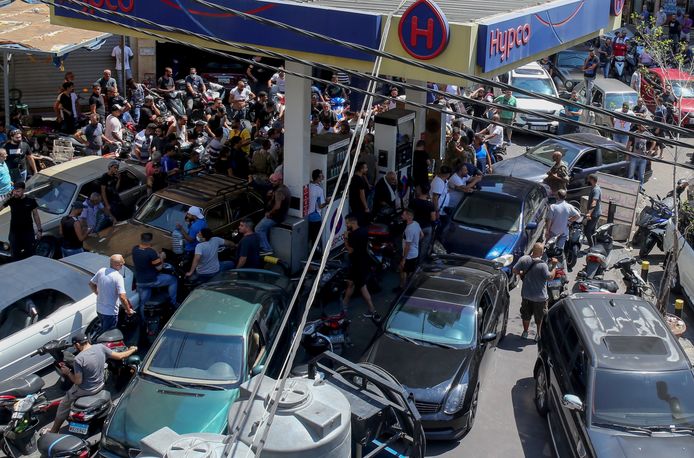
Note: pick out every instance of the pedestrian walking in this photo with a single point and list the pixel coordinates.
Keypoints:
(358, 193)
(316, 203)
(356, 243)
(606, 54)
(23, 209)
(440, 197)
(571, 112)
(410, 247)
(560, 215)
(73, 231)
(641, 149)
(594, 208)
(109, 287)
(590, 66)
(206, 263)
(623, 125)
(19, 157)
(507, 117)
(534, 273)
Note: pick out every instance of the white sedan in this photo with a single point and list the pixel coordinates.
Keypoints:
(45, 299)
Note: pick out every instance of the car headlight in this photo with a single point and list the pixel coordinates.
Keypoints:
(5, 246)
(113, 446)
(438, 248)
(504, 260)
(455, 399)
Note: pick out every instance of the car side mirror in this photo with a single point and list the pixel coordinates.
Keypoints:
(576, 170)
(531, 226)
(488, 337)
(572, 402)
(258, 369)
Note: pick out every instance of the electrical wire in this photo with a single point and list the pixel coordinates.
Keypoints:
(404, 85)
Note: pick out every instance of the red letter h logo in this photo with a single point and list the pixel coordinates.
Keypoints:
(416, 32)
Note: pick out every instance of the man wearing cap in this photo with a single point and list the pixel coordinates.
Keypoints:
(109, 287)
(22, 210)
(590, 66)
(72, 231)
(143, 143)
(92, 135)
(195, 223)
(110, 182)
(87, 373)
(113, 133)
(18, 156)
(148, 265)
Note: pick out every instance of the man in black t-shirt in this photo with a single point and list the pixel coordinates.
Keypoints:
(424, 215)
(148, 264)
(18, 156)
(420, 165)
(166, 85)
(96, 102)
(110, 182)
(358, 192)
(248, 250)
(356, 242)
(22, 210)
(258, 106)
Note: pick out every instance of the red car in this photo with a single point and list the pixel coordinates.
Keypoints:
(682, 83)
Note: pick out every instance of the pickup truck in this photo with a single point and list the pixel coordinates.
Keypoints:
(683, 282)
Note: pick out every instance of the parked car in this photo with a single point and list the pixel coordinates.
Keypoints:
(57, 187)
(582, 161)
(532, 77)
(567, 67)
(225, 201)
(46, 299)
(612, 380)
(683, 281)
(682, 83)
(451, 315)
(609, 94)
(501, 220)
(217, 339)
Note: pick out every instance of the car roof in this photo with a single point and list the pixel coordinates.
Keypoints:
(671, 74)
(200, 190)
(79, 169)
(507, 185)
(589, 138)
(612, 85)
(18, 279)
(451, 281)
(625, 332)
(530, 70)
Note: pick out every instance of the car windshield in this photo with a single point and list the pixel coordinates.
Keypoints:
(657, 399)
(536, 85)
(543, 152)
(162, 213)
(683, 89)
(433, 321)
(615, 100)
(489, 211)
(199, 358)
(571, 59)
(52, 195)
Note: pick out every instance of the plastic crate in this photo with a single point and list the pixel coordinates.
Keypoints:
(63, 150)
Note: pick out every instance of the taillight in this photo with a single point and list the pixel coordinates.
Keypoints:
(559, 273)
(593, 258)
(333, 324)
(84, 454)
(582, 287)
(79, 416)
(116, 344)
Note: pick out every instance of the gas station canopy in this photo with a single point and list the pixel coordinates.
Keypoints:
(481, 38)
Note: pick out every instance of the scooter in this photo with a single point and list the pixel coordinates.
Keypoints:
(327, 333)
(19, 435)
(387, 225)
(572, 247)
(556, 287)
(596, 260)
(654, 218)
(53, 445)
(635, 284)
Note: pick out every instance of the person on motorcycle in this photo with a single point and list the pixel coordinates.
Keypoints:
(149, 112)
(386, 194)
(97, 103)
(113, 129)
(239, 99)
(560, 215)
(92, 135)
(114, 98)
(216, 115)
(206, 263)
(558, 175)
(195, 89)
(137, 98)
(143, 143)
(356, 243)
(180, 130)
(87, 374)
(148, 265)
(493, 136)
(166, 85)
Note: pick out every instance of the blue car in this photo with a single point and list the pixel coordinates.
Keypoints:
(500, 221)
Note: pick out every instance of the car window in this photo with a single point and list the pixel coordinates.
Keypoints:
(597, 97)
(485, 312)
(52, 194)
(611, 156)
(90, 187)
(588, 160)
(256, 346)
(162, 213)
(489, 211)
(127, 181)
(271, 315)
(17, 316)
(532, 202)
(243, 205)
(217, 216)
(503, 77)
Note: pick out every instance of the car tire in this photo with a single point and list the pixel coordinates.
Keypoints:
(541, 391)
(473, 408)
(503, 330)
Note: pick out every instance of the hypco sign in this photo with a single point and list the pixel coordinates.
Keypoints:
(512, 37)
(424, 31)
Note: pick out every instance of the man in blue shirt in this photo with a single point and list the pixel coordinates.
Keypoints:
(196, 222)
(195, 87)
(5, 179)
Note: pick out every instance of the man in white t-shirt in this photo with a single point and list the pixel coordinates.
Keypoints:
(439, 194)
(206, 262)
(109, 287)
(277, 83)
(493, 135)
(559, 216)
(624, 126)
(117, 53)
(460, 183)
(113, 130)
(410, 246)
(238, 100)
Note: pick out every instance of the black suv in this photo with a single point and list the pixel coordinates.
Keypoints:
(613, 381)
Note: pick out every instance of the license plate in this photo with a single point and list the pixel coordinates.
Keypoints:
(556, 283)
(337, 338)
(537, 127)
(78, 428)
(223, 80)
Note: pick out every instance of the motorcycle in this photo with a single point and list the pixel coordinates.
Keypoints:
(557, 285)
(572, 247)
(19, 435)
(329, 333)
(383, 231)
(654, 218)
(619, 61)
(635, 284)
(53, 445)
(596, 260)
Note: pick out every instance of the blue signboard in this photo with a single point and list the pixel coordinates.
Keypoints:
(356, 27)
(510, 38)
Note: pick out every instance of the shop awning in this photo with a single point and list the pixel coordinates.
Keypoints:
(26, 28)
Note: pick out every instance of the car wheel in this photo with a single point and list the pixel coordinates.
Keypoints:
(503, 330)
(572, 257)
(675, 283)
(473, 408)
(541, 391)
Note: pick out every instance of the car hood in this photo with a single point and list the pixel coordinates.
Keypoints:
(122, 237)
(522, 167)
(571, 74)
(480, 243)
(49, 223)
(404, 361)
(147, 406)
(538, 105)
(619, 445)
